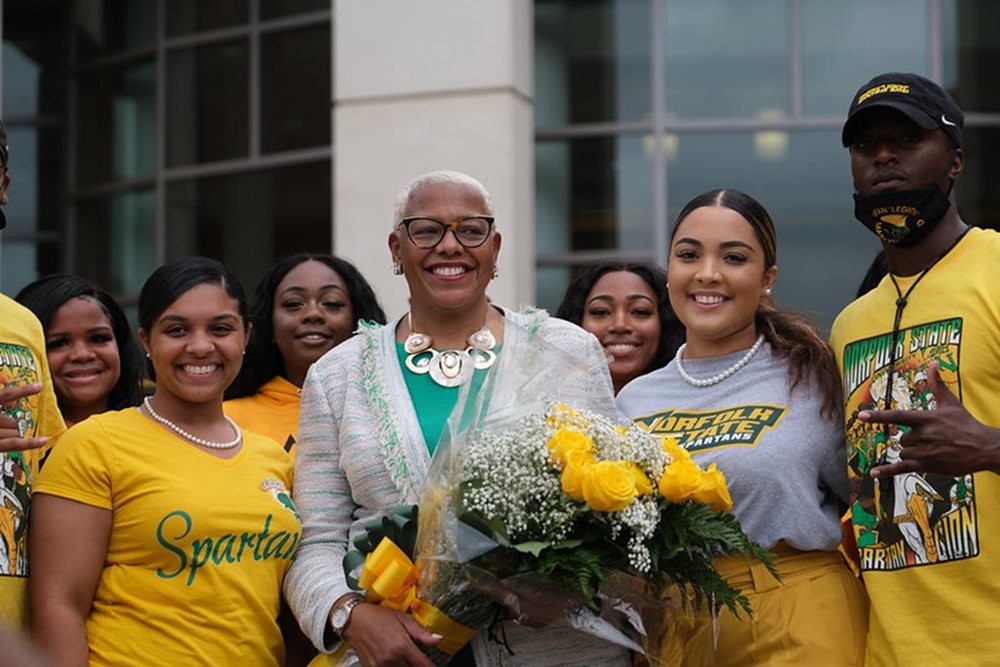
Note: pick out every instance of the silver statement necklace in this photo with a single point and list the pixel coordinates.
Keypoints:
(718, 377)
(449, 368)
(211, 444)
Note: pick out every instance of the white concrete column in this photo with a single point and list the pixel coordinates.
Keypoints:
(421, 85)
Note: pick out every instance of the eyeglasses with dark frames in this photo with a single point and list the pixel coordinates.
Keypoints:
(471, 231)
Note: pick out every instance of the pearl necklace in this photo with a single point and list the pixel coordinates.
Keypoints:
(449, 368)
(718, 377)
(211, 444)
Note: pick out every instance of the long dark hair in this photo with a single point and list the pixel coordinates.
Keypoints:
(263, 360)
(45, 296)
(790, 334)
(174, 279)
(574, 304)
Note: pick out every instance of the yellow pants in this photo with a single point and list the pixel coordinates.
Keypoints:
(816, 615)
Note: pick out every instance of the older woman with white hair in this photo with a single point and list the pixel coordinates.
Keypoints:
(371, 417)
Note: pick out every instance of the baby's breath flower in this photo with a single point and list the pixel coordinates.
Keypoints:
(512, 477)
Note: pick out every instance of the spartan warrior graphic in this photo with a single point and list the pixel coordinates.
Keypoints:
(17, 367)
(913, 502)
(13, 515)
(911, 519)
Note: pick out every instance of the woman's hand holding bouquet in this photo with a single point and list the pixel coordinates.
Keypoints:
(382, 636)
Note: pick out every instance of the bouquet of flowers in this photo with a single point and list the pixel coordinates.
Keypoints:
(541, 507)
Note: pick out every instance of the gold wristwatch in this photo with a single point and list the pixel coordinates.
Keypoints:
(341, 616)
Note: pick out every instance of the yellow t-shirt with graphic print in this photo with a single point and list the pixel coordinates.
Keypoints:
(199, 545)
(929, 544)
(22, 361)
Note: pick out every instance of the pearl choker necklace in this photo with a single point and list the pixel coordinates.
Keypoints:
(211, 444)
(718, 377)
(449, 368)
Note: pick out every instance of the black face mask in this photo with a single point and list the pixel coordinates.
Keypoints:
(902, 218)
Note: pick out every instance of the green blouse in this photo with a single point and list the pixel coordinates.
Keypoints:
(432, 402)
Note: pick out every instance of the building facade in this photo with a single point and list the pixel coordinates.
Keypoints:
(142, 130)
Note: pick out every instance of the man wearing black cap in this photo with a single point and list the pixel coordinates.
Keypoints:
(927, 512)
(29, 415)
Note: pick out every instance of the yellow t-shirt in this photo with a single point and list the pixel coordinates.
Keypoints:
(199, 545)
(22, 361)
(929, 544)
(273, 411)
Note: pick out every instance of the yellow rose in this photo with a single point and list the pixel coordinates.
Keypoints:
(713, 490)
(675, 451)
(608, 486)
(643, 485)
(565, 441)
(680, 480)
(571, 478)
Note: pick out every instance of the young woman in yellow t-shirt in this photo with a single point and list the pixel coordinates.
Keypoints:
(162, 534)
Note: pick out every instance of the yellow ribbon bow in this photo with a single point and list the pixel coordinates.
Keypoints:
(389, 576)
(390, 579)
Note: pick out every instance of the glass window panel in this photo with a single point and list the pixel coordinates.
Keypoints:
(105, 27)
(551, 283)
(251, 219)
(187, 16)
(271, 9)
(848, 42)
(208, 103)
(34, 68)
(21, 82)
(726, 58)
(115, 240)
(978, 194)
(592, 61)
(36, 160)
(971, 38)
(23, 261)
(593, 194)
(295, 110)
(116, 118)
(803, 179)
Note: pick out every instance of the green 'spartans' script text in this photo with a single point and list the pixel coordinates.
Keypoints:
(174, 529)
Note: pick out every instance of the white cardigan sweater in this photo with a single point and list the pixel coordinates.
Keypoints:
(361, 450)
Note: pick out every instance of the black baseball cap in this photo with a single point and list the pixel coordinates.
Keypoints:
(923, 101)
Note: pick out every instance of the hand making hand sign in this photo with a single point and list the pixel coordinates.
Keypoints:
(10, 433)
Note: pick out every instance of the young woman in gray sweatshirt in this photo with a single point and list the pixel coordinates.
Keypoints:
(755, 389)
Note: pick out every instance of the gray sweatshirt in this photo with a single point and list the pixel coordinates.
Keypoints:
(786, 464)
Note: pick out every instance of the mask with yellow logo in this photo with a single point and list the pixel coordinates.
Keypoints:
(902, 218)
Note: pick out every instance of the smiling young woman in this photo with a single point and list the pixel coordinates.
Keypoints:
(162, 534)
(756, 391)
(625, 305)
(95, 360)
(304, 306)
